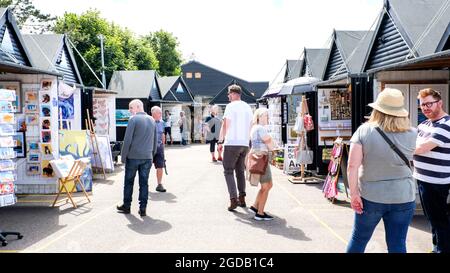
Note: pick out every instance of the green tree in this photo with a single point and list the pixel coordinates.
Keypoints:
(165, 46)
(28, 15)
(122, 50)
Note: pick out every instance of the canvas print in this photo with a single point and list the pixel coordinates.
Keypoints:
(32, 119)
(46, 110)
(33, 169)
(33, 145)
(33, 131)
(46, 149)
(34, 157)
(101, 115)
(31, 96)
(47, 169)
(46, 85)
(104, 148)
(13, 85)
(45, 124)
(20, 147)
(46, 136)
(122, 117)
(44, 97)
(21, 125)
(66, 107)
(31, 108)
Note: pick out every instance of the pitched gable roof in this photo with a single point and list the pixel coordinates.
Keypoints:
(315, 60)
(170, 89)
(212, 80)
(138, 84)
(415, 17)
(293, 69)
(348, 52)
(222, 97)
(50, 51)
(12, 49)
(403, 32)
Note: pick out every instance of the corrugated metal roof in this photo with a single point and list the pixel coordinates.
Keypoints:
(132, 84)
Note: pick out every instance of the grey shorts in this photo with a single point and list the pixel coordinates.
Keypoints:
(267, 176)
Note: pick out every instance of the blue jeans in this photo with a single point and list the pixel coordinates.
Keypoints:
(131, 167)
(434, 203)
(396, 218)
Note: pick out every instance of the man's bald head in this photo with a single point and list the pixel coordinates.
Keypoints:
(136, 106)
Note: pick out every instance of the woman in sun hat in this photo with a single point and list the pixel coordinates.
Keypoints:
(383, 188)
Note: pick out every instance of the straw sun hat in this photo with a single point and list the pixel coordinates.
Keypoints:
(390, 102)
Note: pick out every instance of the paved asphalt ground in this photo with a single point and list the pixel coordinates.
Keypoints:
(192, 217)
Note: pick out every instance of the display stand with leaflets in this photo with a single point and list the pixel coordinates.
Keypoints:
(8, 173)
(337, 166)
(304, 156)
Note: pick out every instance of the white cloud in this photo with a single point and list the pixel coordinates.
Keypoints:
(250, 39)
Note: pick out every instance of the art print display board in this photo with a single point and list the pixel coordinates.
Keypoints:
(8, 144)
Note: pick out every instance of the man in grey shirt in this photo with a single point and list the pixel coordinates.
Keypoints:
(139, 148)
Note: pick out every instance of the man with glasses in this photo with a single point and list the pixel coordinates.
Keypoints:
(235, 136)
(432, 167)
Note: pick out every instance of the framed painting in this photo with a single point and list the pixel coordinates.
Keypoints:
(20, 146)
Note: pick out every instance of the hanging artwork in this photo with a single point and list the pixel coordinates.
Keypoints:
(45, 124)
(20, 147)
(46, 110)
(47, 169)
(122, 117)
(6, 106)
(13, 85)
(46, 149)
(33, 169)
(31, 108)
(21, 125)
(32, 119)
(31, 96)
(66, 101)
(33, 145)
(46, 84)
(34, 157)
(44, 97)
(101, 115)
(46, 136)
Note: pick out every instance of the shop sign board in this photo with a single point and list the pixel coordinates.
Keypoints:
(290, 162)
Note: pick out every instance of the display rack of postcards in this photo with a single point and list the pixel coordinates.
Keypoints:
(336, 167)
(8, 173)
(274, 126)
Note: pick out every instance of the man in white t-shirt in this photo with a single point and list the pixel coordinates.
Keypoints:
(235, 136)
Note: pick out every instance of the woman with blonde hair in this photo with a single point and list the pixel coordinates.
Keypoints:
(379, 174)
(261, 144)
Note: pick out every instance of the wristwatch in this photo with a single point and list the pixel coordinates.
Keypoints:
(220, 142)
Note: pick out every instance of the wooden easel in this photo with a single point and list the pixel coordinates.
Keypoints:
(302, 179)
(74, 176)
(94, 144)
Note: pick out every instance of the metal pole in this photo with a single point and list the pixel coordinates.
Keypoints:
(103, 60)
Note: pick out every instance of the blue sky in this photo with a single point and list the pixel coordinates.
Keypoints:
(250, 39)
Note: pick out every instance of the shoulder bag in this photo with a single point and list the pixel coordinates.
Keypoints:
(393, 147)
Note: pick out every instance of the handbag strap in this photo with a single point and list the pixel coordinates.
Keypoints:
(393, 147)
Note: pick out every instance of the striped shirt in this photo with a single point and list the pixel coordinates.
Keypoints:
(434, 166)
